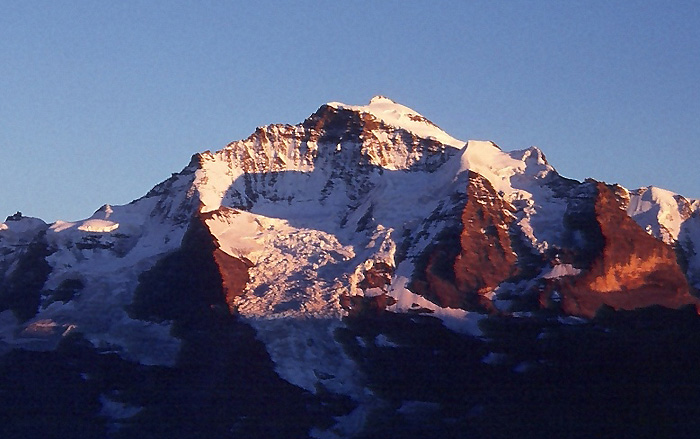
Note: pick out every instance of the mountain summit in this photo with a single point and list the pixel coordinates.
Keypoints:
(393, 114)
(276, 246)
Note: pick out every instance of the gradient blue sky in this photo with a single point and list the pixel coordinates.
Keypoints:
(99, 101)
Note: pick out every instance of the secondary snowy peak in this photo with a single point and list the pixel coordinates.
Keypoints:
(391, 113)
(660, 212)
(509, 172)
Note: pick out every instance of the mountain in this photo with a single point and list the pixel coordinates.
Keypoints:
(349, 276)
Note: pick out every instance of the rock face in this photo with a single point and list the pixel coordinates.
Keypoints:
(467, 264)
(347, 257)
(631, 269)
(614, 261)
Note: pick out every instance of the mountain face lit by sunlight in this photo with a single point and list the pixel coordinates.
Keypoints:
(360, 273)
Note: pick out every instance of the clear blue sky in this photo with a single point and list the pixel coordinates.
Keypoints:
(99, 100)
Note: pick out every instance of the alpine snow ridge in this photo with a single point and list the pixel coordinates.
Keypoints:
(358, 214)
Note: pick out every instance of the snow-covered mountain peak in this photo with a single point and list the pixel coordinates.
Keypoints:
(283, 252)
(337, 146)
(659, 211)
(394, 114)
(509, 172)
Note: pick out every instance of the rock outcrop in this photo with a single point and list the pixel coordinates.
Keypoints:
(631, 269)
(469, 262)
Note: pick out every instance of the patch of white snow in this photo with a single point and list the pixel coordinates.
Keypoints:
(561, 270)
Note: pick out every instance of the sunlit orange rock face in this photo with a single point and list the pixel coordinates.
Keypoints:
(459, 276)
(632, 270)
(621, 265)
(486, 258)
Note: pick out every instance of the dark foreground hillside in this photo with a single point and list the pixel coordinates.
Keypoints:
(625, 374)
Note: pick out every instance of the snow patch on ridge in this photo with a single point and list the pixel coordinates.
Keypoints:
(16, 234)
(98, 226)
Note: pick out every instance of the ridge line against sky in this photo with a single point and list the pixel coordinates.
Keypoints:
(102, 100)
